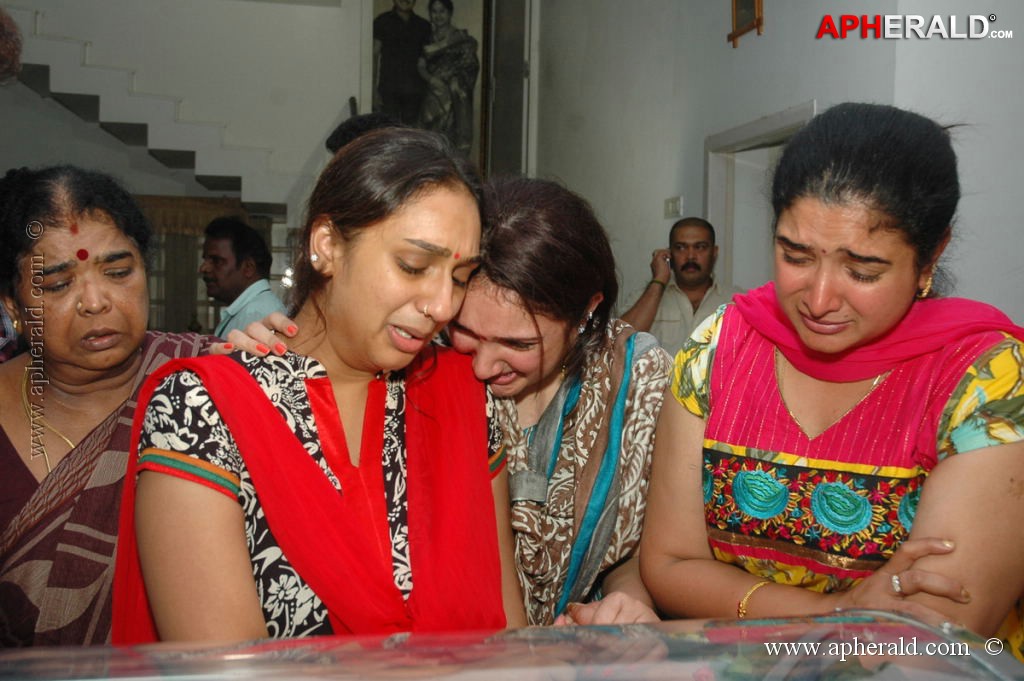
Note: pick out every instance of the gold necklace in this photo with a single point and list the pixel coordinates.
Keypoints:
(778, 381)
(34, 418)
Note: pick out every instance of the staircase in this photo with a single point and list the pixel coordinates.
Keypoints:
(59, 67)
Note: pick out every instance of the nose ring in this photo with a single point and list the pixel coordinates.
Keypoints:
(425, 312)
(79, 306)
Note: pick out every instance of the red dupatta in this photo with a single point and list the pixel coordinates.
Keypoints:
(452, 526)
(929, 325)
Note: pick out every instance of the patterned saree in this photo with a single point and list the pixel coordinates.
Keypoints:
(57, 554)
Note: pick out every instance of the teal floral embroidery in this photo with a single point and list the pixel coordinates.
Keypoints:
(759, 495)
(861, 497)
(709, 485)
(840, 509)
(908, 508)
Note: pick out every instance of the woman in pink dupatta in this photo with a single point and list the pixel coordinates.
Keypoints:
(73, 247)
(848, 440)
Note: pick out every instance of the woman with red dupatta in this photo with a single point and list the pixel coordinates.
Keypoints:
(849, 440)
(356, 484)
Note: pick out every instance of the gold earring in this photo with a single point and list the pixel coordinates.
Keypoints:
(923, 293)
(16, 323)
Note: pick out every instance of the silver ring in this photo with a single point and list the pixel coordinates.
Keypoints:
(896, 586)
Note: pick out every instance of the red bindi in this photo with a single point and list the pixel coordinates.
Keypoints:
(82, 254)
(456, 256)
(74, 228)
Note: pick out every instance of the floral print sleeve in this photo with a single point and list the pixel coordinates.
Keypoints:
(692, 368)
(987, 407)
(183, 435)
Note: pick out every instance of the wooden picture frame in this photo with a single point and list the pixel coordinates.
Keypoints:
(464, 120)
(747, 15)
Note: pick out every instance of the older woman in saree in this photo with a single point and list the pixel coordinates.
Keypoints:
(73, 247)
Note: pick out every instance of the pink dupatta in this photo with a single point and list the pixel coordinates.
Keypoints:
(930, 325)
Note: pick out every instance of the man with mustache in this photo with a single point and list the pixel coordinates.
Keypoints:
(236, 270)
(682, 291)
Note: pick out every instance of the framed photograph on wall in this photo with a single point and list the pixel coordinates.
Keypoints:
(430, 67)
(747, 15)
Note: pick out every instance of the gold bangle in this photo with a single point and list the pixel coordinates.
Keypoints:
(659, 283)
(741, 607)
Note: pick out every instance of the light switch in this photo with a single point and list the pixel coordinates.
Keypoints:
(674, 207)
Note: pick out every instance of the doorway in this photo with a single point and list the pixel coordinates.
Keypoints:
(737, 192)
(510, 73)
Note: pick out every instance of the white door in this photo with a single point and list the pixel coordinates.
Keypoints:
(737, 192)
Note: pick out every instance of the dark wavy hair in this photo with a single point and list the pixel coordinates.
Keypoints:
(370, 178)
(47, 198)
(544, 243)
(357, 126)
(894, 161)
(447, 5)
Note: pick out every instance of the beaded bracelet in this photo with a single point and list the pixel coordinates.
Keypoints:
(659, 283)
(741, 607)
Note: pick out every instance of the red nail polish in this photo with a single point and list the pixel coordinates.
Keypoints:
(229, 346)
(280, 348)
(262, 349)
(292, 330)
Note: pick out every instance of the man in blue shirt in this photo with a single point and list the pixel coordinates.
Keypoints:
(236, 269)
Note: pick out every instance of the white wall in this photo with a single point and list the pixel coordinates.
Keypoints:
(615, 109)
(976, 83)
(279, 75)
(629, 91)
(752, 244)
